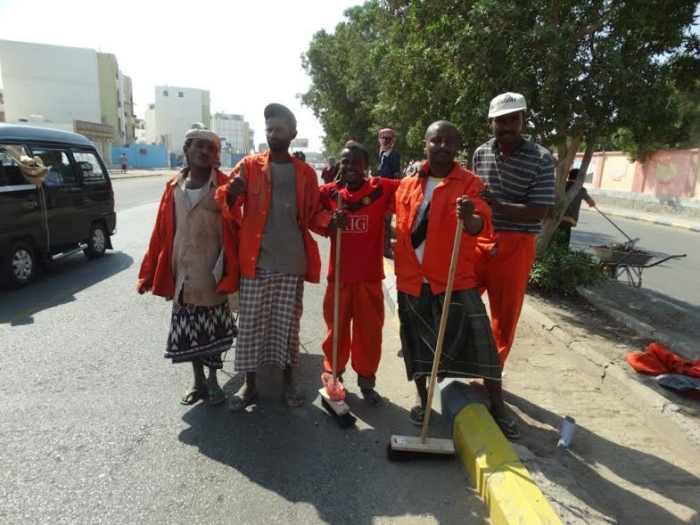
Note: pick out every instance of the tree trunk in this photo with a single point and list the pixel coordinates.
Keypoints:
(564, 198)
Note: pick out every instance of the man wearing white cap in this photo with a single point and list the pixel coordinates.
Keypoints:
(520, 187)
(192, 258)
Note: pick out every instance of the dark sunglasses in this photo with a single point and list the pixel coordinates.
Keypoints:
(384, 138)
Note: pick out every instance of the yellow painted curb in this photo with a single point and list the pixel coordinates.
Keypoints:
(503, 482)
(680, 225)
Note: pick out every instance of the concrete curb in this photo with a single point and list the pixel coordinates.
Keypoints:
(119, 176)
(503, 482)
(641, 394)
(681, 345)
(650, 219)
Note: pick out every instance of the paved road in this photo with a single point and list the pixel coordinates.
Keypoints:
(677, 280)
(92, 431)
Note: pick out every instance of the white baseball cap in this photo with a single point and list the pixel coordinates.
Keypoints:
(507, 103)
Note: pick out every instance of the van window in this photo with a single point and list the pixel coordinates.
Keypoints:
(60, 172)
(10, 174)
(90, 167)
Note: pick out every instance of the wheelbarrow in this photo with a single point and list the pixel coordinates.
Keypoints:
(626, 260)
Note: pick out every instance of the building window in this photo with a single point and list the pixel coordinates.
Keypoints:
(180, 94)
(165, 93)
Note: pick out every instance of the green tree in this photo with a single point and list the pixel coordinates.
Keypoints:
(344, 91)
(587, 67)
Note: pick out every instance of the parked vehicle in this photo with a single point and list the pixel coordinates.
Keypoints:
(72, 210)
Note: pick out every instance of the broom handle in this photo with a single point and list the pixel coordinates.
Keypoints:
(441, 331)
(336, 293)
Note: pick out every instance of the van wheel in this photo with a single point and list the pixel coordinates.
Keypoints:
(97, 242)
(21, 264)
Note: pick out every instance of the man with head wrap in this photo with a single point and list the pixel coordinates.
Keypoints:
(389, 167)
(274, 198)
(192, 259)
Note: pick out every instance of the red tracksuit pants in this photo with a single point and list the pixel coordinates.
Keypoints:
(504, 275)
(360, 322)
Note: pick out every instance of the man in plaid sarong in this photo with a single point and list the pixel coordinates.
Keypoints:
(274, 199)
(428, 206)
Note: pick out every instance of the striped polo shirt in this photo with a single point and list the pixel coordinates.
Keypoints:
(526, 176)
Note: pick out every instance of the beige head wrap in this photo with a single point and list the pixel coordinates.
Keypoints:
(204, 134)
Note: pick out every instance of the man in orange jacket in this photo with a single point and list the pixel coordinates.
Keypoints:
(428, 206)
(274, 199)
(365, 203)
(192, 259)
(519, 179)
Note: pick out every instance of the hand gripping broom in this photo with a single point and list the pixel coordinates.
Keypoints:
(333, 391)
(405, 448)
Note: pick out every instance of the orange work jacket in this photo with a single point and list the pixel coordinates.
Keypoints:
(442, 226)
(157, 265)
(251, 208)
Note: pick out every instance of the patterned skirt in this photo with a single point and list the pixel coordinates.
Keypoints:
(269, 321)
(468, 349)
(200, 334)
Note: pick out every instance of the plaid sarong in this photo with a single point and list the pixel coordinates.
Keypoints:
(269, 321)
(200, 333)
(468, 349)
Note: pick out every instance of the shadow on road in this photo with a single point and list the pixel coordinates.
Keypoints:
(302, 455)
(57, 284)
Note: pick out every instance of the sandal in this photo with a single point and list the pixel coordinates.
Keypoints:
(295, 398)
(509, 427)
(373, 397)
(241, 400)
(417, 415)
(192, 395)
(216, 395)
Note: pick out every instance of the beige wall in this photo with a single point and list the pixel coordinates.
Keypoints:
(617, 173)
(109, 93)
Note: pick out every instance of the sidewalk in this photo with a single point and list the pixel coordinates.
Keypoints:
(675, 221)
(116, 173)
(634, 456)
(649, 315)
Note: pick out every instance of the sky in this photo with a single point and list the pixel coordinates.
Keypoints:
(246, 53)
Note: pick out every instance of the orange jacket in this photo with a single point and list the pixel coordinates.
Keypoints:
(442, 225)
(250, 212)
(157, 265)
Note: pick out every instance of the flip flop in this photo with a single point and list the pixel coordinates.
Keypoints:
(295, 399)
(509, 427)
(373, 397)
(192, 395)
(417, 416)
(216, 395)
(240, 402)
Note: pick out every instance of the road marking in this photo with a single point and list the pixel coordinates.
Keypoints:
(680, 225)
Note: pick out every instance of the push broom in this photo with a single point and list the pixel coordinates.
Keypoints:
(406, 448)
(333, 391)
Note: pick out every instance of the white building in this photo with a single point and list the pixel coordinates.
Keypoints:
(176, 109)
(234, 130)
(59, 83)
(140, 131)
(68, 88)
(2, 106)
(149, 120)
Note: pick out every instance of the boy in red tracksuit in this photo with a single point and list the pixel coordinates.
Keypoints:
(361, 303)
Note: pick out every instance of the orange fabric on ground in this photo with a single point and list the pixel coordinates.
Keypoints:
(503, 269)
(659, 360)
(361, 305)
